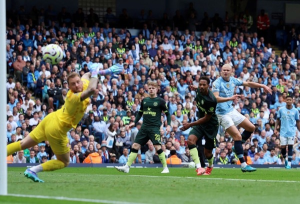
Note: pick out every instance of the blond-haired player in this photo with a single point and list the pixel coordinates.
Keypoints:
(55, 126)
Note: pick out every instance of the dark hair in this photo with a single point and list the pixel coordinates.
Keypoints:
(289, 96)
(205, 78)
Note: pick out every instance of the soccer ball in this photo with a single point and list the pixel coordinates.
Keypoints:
(192, 165)
(52, 54)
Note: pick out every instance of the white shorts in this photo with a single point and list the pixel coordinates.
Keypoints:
(230, 119)
(287, 141)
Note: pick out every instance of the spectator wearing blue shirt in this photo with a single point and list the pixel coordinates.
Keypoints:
(272, 159)
(41, 152)
(251, 152)
(182, 87)
(280, 103)
(262, 139)
(124, 158)
(27, 42)
(265, 150)
(32, 77)
(262, 159)
(275, 79)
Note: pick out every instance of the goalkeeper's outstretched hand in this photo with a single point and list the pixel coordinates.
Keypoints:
(116, 69)
(94, 69)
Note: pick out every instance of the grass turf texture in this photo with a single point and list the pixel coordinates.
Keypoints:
(149, 186)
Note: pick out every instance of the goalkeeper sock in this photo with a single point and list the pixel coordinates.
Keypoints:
(194, 155)
(37, 168)
(162, 158)
(132, 156)
(13, 147)
(52, 165)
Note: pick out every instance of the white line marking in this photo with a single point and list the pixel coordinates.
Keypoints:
(71, 199)
(224, 179)
(198, 178)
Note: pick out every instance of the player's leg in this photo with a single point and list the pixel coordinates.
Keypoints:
(194, 134)
(283, 144)
(229, 122)
(162, 158)
(141, 139)
(242, 121)
(210, 138)
(290, 151)
(20, 145)
(154, 136)
(200, 148)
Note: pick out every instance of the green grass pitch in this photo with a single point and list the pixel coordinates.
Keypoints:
(147, 185)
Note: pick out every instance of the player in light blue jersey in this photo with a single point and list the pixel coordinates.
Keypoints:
(287, 119)
(223, 89)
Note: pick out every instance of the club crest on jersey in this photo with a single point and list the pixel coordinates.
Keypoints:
(227, 85)
(155, 103)
(144, 102)
(202, 102)
(288, 112)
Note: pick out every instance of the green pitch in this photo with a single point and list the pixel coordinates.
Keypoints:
(105, 185)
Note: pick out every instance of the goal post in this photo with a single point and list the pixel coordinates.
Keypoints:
(3, 93)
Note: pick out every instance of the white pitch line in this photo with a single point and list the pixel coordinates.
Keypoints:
(198, 178)
(222, 179)
(71, 199)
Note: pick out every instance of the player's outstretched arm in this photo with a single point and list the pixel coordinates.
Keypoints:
(115, 69)
(223, 99)
(203, 120)
(257, 85)
(92, 76)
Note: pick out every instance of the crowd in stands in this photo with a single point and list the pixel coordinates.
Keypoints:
(168, 51)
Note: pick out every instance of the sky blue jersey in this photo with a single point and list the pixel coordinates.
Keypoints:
(288, 118)
(226, 90)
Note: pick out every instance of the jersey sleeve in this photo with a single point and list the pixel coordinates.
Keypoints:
(163, 106)
(141, 108)
(85, 84)
(210, 107)
(237, 82)
(216, 86)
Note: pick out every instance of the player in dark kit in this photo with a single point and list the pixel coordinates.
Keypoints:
(151, 109)
(206, 126)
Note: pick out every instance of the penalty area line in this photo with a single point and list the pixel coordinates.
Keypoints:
(71, 199)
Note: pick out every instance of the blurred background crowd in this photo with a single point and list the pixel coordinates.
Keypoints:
(175, 51)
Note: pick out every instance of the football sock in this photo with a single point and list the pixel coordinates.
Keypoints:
(210, 161)
(162, 158)
(194, 154)
(52, 165)
(132, 157)
(245, 136)
(239, 152)
(283, 152)
(37, 168)
(290, 154)
(13, 147)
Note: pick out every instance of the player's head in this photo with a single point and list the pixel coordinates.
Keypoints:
(204, 84)
(226, 71)
(74, 82)
(289, 100)
(152, 88)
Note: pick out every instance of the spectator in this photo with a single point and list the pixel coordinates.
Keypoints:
(124, 158)
(150, 153)
(173, 159)
(32, 158)
(19, 158)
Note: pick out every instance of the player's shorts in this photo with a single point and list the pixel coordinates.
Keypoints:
(209, 134)
(149, 133)
(52, 130)
(287, 141)
(230, 119)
